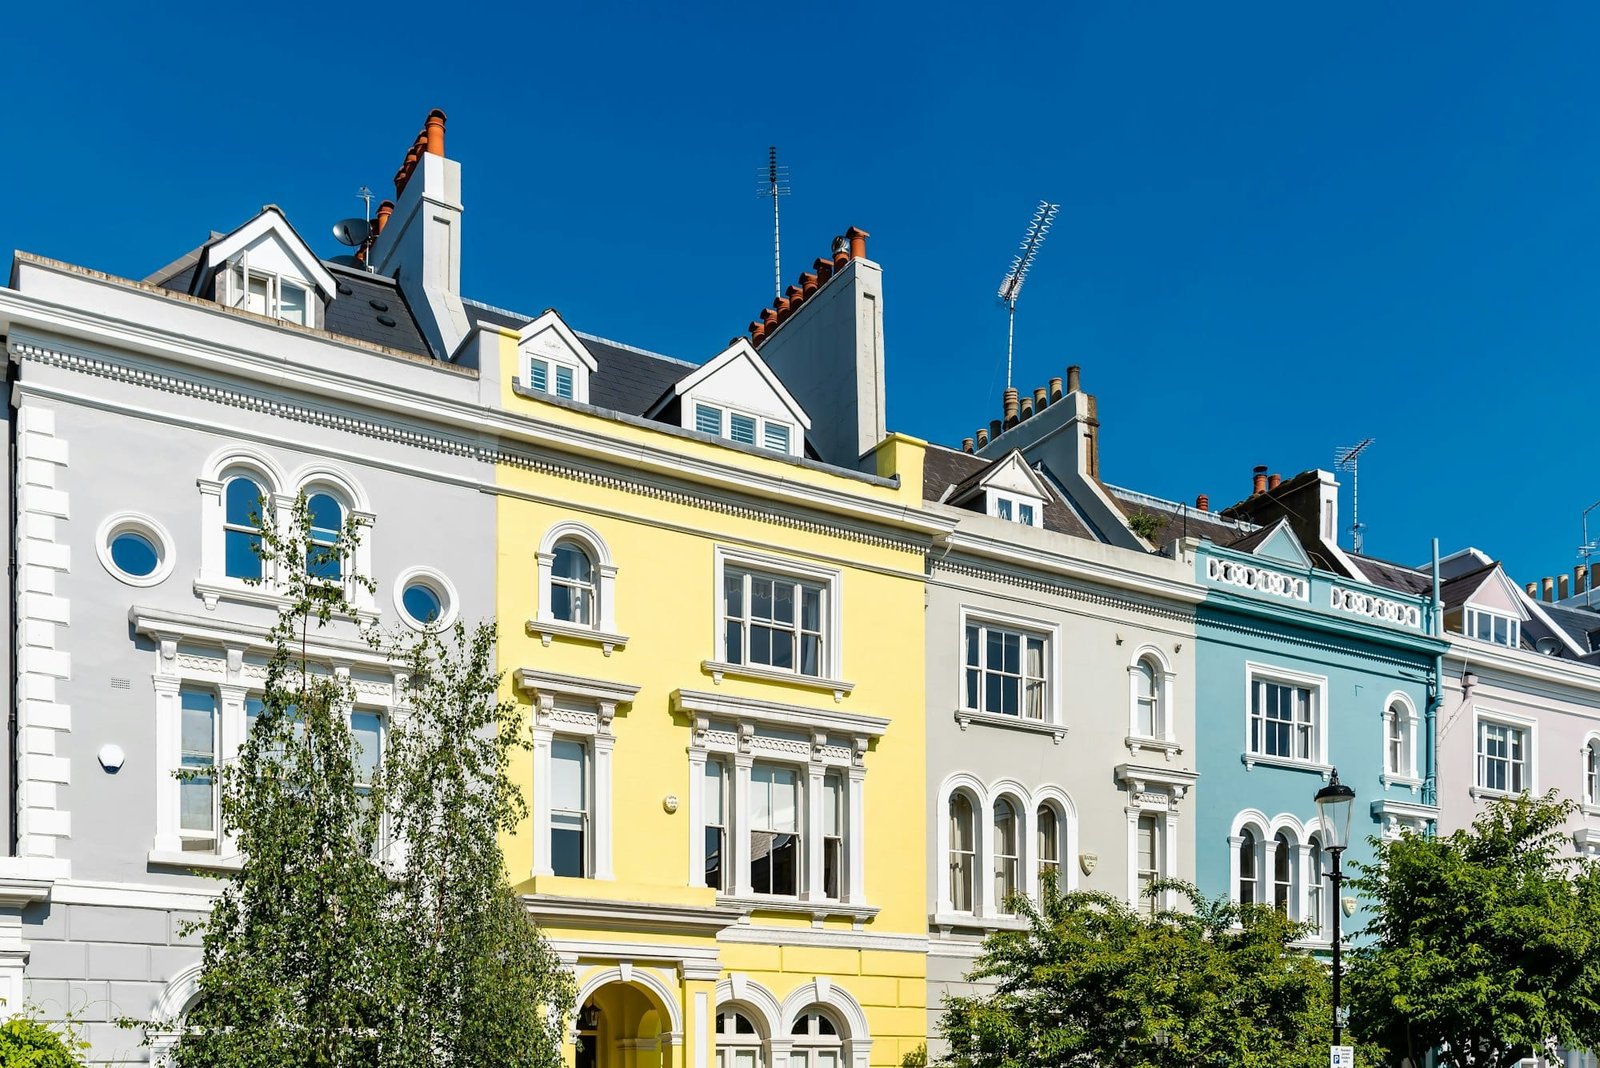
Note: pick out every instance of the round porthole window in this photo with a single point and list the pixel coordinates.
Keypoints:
(135, 549)
(425, 598)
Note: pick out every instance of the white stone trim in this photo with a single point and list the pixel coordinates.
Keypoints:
(986, 911)
(1054, 722)
(1320, 713)
(739, 991)
(42, 555)
(1406, 776)
(857, 1037)
(1165, 740)
(139, 523)
(830, 578)
(604, 627)
(651, 979)
(1530, 728)
(442, 587)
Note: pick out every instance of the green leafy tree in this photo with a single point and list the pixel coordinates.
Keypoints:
(29, 1042)
(1484, 946)
(480, 983)
(1092, 983)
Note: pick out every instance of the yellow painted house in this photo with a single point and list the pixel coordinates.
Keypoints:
(716, 636)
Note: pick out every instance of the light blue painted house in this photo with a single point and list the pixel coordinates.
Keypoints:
(1300, 669)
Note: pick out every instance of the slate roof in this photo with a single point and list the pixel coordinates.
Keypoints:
(625, 379)
(370, 307)
(1456, 591)
(1582, 625)
(1394, 576)
(944, 468)
(1177, 520)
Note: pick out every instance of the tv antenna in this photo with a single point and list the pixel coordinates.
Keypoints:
(1586, 553)
(1044, 216)
(774, 182)
(1348, 458)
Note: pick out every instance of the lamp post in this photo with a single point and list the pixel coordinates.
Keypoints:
(1334, 804)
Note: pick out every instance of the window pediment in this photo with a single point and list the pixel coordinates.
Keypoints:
(778, 716)
(552, 359)
(736, 396)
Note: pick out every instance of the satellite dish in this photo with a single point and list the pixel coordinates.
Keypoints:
(1547, 645)
(350, 232)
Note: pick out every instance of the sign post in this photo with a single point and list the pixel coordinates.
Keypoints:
(1341, 1057)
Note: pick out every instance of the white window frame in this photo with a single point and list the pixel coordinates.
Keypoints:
(603, 630)
(1160, 847)
(1301, 899)
(1483, 717)
(742, 731)
(576, 709)
(238, 274)
(1165, 739)
(147, 527)
(727, 410)
(986, 910)
(1398, 710)
(1589, 769)
(1469, 621)
(550, 369)
(1318, 687)
(830, 665)
(1052, 723)
(1003, 504)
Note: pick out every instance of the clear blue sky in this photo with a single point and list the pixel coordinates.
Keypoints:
(1281, 230)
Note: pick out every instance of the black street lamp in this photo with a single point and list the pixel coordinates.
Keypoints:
(1334, 803)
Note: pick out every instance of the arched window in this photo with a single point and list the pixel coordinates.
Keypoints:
(1005, 853)
(815, 1039)
(1148, 713)
(1591, 772)
(1282, 872)
(738, 1041)
(1399, 757)
(963, 853)
(572, 592)
(1314, 891)
(1247, 866)
(243, 503)
(1049, 834)
(322, 548)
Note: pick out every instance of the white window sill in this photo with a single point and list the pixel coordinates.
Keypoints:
(817, 910)
(975, 921)
(1165, 746)
(1411, 782)
(166, 858)
(718, 668)
(1477, 792)
(1590, 809)
(1288, 763)
(546, 629)
(1016, 723)
(237, 591)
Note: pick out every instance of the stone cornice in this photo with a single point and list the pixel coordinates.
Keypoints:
(1011, 577)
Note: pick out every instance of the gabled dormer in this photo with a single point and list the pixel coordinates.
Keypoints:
(736, 396)
(1276, 541)
(551, 359)
(265, 267)
(1006, 489)
(1481, 602)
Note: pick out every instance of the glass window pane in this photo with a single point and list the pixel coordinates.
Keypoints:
(785, 800)
(243, 504)
(240, 559)
(760, 597)
(733, 594)
(1025, 514)
(742, 428)
(198, 729)
(564, 382)
(571, 562)
(777, 436)
(421, 602)
(539, 376)
(291, 303)
(134, 554)
(783, 602)
(1002, 508)
(567, 786)
(832, 805)
(366, 735)
(811, 655)
(713, 792)
(708, 420)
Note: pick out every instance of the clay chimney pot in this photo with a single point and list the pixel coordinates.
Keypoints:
(808, 282)
(1055, 390)
(824, 269)
(435, 132)
(757, 329)
(1040, 399)
(983, 437)
(841, 253)
(1072, 378)
(1561, 588)
(1549, 588)
(1202, 503)
(858, 242)
(1580, 579)
(1027, 407)
(1274, 481)
(1008, 404)
(966, 444)
(385, 210)
(1533, 590)
(1259, 481)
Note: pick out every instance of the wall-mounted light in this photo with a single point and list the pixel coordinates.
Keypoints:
(111, 758)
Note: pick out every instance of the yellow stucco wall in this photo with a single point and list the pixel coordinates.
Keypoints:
(662, 542)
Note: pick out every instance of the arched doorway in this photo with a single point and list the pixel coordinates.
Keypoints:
(622, 1024)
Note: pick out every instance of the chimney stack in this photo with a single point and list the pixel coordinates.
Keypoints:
(1580, 579)
(1274, 481)
(1259, 481)
(1072, 378)
(1009, 404)
(1549, 588)
(1055, 390)
(1561, 588)
(1202, 503)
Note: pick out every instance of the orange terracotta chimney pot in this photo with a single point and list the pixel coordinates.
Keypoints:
(858, 242)
(841, 253)
(435, 129)
(1259, 482)
(757, 329)
(1202, 503)
(1274, 481)
(808, 282)
(769, 318)
(385, 209)
(824, 269)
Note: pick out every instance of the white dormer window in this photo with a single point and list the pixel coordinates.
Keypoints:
(267, 293)
(1027, 511)
(553, 378)
(1492, 627)
(743, 427)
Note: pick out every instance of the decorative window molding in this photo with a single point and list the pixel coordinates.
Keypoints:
(1506, 754)
(1278, 861)
(144, 527)
(1150, 703)
(439, 585)
(1400, 742)
(601, 593)
(828, 763)
(1028, 511)
(1394, 816)
(1590, 769)
(553, 360)
(1286, 718)
(572, 707)
(736, 615)
(1497, 628)
(990, 678)
(967, 866)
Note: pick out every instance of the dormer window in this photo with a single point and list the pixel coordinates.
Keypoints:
(266, 293)
(1492, 627)
(553, 378)
(554, 360)
(744, 428)
(1027, 511)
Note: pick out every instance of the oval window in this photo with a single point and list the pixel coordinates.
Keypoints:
(134, 554)
(422, 602)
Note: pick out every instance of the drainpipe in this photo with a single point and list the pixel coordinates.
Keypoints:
(13, 580)
(1430, 781)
